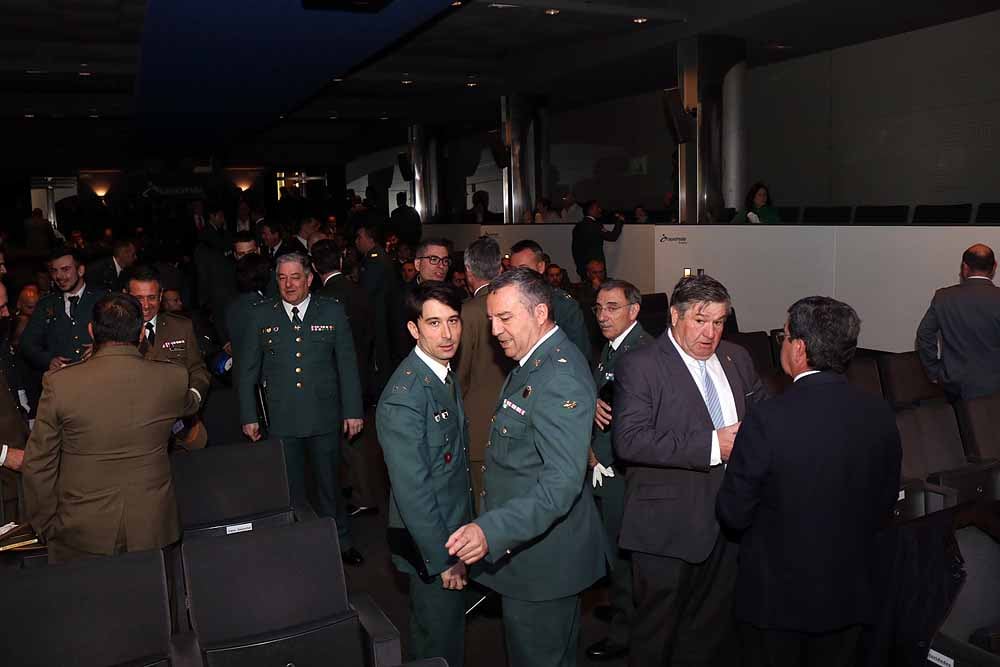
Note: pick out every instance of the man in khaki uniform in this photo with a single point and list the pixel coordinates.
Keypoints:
(96, 475)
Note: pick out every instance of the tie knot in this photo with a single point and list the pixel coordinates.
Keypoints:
(295, 310)
(74, 299)
(149, 326)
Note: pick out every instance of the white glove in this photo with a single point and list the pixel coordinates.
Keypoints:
(600, 472)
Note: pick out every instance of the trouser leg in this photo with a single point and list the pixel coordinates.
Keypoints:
(324, 458)
(437, 622)
(542, 634)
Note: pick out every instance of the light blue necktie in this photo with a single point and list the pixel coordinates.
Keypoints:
(711, 397)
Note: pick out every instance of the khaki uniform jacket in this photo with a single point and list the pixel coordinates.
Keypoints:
(176, 342)
(95, 471)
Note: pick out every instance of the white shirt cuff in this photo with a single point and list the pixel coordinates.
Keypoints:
(3, 455)
(716, 453)
(196, 393)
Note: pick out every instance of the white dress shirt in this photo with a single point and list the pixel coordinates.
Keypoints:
(803, 374)
(332, 275)
(439, 369)
(67, 295)
(721, 383)
(302, 308)
(153, 322)
(616, 343)
(523, 360)
(118, 267)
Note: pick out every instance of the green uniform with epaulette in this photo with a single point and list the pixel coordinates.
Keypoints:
(424, 437)
(612, 491)
(310, 377)
(380, 281)
(52, 333)
(544, 535)
(567, 314)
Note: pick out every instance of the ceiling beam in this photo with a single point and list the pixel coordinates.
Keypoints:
(578, 7)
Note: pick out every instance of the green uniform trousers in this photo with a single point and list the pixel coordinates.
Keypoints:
(611, 500)
(323, 455)
(437, 622)
(542, 634)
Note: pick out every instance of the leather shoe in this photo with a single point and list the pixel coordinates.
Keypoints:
(352, 557)
(604, 613)
(606, 650)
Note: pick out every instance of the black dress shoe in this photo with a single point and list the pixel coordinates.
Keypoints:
(606, 650)
(603, 613)
(352, 557)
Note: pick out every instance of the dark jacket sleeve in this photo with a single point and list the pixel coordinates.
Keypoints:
(927, 343)
(247, 365)
(33, 343)
(40, 470)
(347, 368)
(747, 470)
(613, 233)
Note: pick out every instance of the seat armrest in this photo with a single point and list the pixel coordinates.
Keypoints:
(429, 662)
(938, 497)
(304, 513)
(981, 461)
(185, 651)
(973, 482)
(382, 647)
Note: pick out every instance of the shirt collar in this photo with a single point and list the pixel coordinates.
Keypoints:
(979, 278)
(79, 292)
(332, 275)
(616, 343)
(302, 307)
(804, 374)
(439, 369)
(687, 358)
(541, 340)
(480, 288)
(118, 267)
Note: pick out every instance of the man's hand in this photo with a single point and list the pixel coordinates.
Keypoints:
(57, 363)
(602, 415)
(252, 431)
(455, 577)
(727, 435)
(228, 348)
(88, 350)
(15, 457)
(352, 427)
(468, 543)
(592, 458)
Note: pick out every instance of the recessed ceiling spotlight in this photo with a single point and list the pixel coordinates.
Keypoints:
(406, 82)
(29, 115)
(384, 116)
(332, 116)
(281, 117)
(457, 3)
(93, 114)
(501, 5)
(34, 70)
(471, 84)
(552, 12)
(338, 80)
(640, 20)
(83, 65)
(85, 73)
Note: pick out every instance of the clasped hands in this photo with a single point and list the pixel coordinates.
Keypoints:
(468, 543)
(351, 428)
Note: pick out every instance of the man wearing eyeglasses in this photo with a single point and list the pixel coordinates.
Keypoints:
(432, 260)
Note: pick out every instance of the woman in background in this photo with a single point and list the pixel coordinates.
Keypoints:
(758, 208)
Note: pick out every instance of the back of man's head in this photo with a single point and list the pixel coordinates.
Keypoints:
(117, 319)
(253, 272)
(829, 329)
(482, 258)
(980, 260)
(400, 199)
(325, 257)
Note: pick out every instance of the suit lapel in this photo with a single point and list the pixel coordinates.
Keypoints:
(682, 380)
(736, 384)
(438, 389)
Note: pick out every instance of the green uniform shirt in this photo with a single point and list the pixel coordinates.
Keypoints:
(604, 374)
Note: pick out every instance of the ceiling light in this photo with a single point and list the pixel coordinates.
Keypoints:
(471, 84)
(85, 73)
(338, 80)
(457, 3)
(281, 117)
(34, 71)
(639, 20)
(29, 115)
(332, 116)
(552, 12)
(384, 116)
(406, 82)
(500, 5)
(93, 115)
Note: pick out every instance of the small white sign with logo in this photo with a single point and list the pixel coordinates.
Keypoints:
(941, 659)
(238, 528)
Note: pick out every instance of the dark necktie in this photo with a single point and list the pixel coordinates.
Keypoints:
(150, 334)
(74, 301)
(449, 381)
(296, 320)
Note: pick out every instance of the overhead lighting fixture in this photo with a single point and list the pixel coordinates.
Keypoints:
(332, 116)
(471, 84)
(93, 114)
(29, 115)
(34, 71)
(639, 20)
(384, 116)
(338, 80)
(281, 117)
(552, 12)
(457, 3)
(85, 73)
(84, 65)
(407, 82)
(500, 5)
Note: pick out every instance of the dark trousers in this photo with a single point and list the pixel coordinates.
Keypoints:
(437, 622)
(321, 453)
(786, 648)
(684, 611)
(611, 499)
(542, 634)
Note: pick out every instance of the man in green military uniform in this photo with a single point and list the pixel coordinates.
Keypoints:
(617, 310)
(379, 279)
(57, 333)
(424, 437)
(300, 349)
(566, 311)
(539, 532)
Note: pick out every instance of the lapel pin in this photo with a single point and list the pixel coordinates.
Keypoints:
(538, 362)
(527, 392)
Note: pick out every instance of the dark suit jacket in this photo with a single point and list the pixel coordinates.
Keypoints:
(663, 432)
(360, 313)
(967, 316)
(813, 476)
(101, 274)
(588, 242)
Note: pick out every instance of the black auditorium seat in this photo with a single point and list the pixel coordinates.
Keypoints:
(862, 372)
(881, 215)
(947, 214)
(92, 613)
(758, 345)
(904, 380)
(988, 214)
(826, 215)
(979, 423)
(789, 215)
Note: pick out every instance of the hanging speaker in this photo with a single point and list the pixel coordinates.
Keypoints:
(405, 166)
(679, 121)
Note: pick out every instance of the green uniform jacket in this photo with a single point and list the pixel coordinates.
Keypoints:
(605, 373)
(238, 314)
(424, 439)
(310, 376)
(567, 314)
(50, 333)
(545, 538)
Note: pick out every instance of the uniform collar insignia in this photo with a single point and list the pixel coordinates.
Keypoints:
(569, 405)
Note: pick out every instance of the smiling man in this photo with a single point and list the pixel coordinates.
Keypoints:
(300, 349)
(538, 533)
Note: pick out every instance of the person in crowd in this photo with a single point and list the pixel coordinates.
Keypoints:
(432, 261)
(966, 319)
(27, 301)
(408, 272)
(640, 214)
(244, 223)
(571, 211)
(586, 294)
(39, 236)
(553, 276)
(617, 311)
(596, 274)
(308, 226)
(565, 309)
(198, 220)
(405, 253)
(424, 439)
(482, 365)
(300, 349)
(13, 429)
(405, 221)
(44, 280)
(107, 272)
(270, 234)
(244, 243)
(544, 211)
(378, 278)
(214, 268)
(813, 477)
(480, 213)
(758, 208)
(58, 333)
(253, 277)
(324, 233)
(589, 236)
(96, 475)
(461, 281)
(678, 404)
(170, 337)
(172, 301)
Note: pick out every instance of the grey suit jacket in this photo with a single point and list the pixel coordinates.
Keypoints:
(663, 431)
(967, 316)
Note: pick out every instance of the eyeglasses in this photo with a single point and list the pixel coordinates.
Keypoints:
(435, 260)
(611, 308)
(780, 336)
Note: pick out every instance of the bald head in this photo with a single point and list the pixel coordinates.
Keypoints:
(978, 260)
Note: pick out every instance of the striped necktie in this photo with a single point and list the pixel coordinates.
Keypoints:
(712, 401)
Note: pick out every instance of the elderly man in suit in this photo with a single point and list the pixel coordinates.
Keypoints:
(678, 406)
(967, 319)
(539, 532)
(482, 365)
(96, 474)
(813, 476)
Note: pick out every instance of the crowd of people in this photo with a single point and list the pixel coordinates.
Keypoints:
(536, 437)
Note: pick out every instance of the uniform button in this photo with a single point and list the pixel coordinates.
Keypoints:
(483, 492)
(298, 385)
(78, 350)
(298, 370)
(493, 419)
(76, 338)
(483, 468)
(488, 444)
(470, 489)
(298, 355)
(269, 341)
(298, 339)
(504, 430)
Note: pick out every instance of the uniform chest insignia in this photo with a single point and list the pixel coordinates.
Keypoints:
(174, 344)
(297, 327)
(600, 367)
(407, 372)
(322, 327)
(609, 377)
(267, 330)
(507, 403)
(569, 405)
(399, 389)
(527, 392)
(562, 361)
(427, 380)
(538, 362)
(443, 414)
(447, 457)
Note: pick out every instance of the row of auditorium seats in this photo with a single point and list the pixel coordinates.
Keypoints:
(926, 214)
(255, 581)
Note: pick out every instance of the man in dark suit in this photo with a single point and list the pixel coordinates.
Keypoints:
(96, 474)
(214, 266)
(405, 221)
(813, 476)
(108, 273)
(589, 236)
(967, 318)
(379, 280)
(677, 407)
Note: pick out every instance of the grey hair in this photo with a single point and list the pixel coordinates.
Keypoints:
(632, 294)
(289, 257)
(482, 258)
(531, 287)
(693, 290)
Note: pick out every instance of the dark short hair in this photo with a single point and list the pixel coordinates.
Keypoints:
(431, 290)
(829, 329)
(143, 273)
(427, 243)
(482, 258)
(752, 192)
(979, 262)
(372, 228)
(692, 290)
(533, 288)
(117, 319)
(632, 294)
(325, 256)
(63, 251)
(529, 244)
(253, 272)
(121, 244)
(244, 237)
